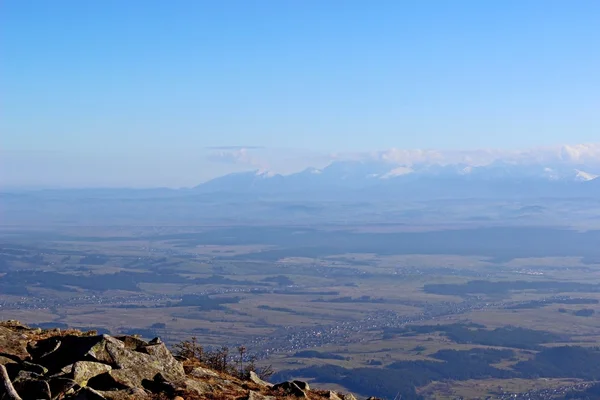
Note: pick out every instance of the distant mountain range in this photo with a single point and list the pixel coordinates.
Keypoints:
(418, 179)
(557, 194)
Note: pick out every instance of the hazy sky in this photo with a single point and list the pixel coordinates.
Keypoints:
(142, 92)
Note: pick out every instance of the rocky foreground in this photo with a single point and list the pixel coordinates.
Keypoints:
(40, 364)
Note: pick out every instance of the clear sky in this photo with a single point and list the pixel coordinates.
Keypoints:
(139, 92)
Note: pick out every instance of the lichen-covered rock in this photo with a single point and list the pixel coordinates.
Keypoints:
(29, 366)
(167, 364)
(85, 370)
(99, 351)
(134, 367)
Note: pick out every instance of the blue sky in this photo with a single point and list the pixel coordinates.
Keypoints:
(139, 92)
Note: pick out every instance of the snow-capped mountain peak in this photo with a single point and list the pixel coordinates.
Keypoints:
(399, 171)
(264, 173)
(381, 175)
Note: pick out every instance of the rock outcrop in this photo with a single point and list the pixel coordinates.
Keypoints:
(50, 365)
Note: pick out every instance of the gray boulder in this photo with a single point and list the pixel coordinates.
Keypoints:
(132, 342)
(59, 386)
(83, 371)
(56, 353)
(290, 388)
(134, 367)
(256, 379)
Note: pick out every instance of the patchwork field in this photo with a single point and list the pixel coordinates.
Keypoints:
(473, 326)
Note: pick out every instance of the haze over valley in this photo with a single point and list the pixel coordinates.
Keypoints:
(365, 288)
(312, 200)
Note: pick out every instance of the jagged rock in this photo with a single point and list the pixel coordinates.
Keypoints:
(161, 385)
(85, 370)
(30, 385)
(43, 348)
(67, 369)
(132, 342)
(100, 350)
(88, 394)
(64, 372)
(25, 375)
(33, 389)
(290, 388)
(256, 379)
(6, 359)
(156, 340)
(100, 367)
(252, 395)
(331, 395)
(29, 366)
(302, 385)
(199, 372)
(161, 352)
(7, 390)
(106, 381)
(135, 367)
(70, 349)
(60, 386)
(123, 378)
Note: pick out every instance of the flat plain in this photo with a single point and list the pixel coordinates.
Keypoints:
(327, 303)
